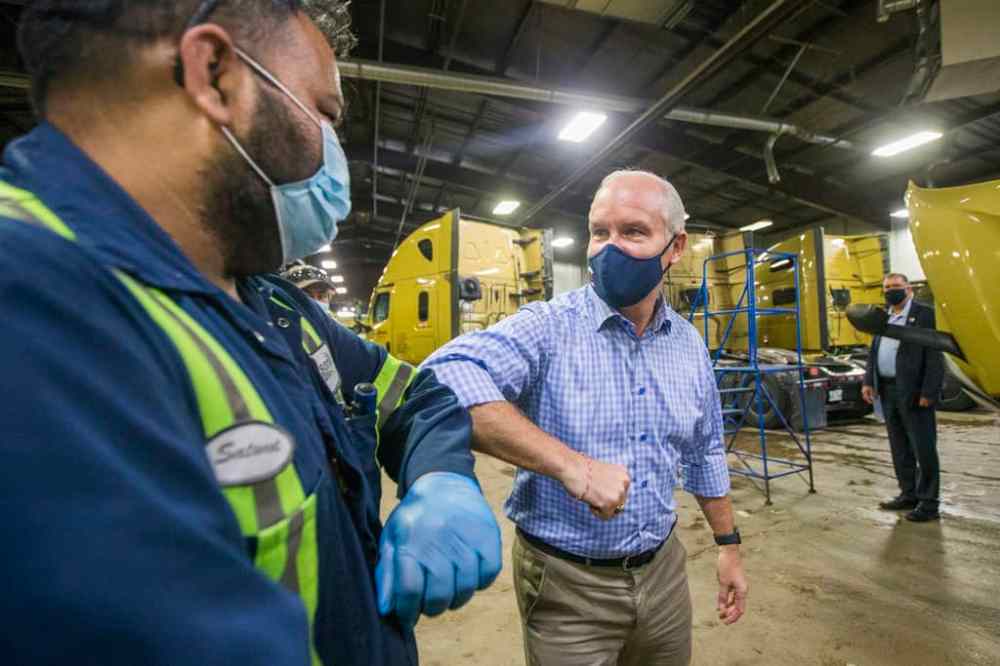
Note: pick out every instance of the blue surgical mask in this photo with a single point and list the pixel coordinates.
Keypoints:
(622, 280)
(309, 210)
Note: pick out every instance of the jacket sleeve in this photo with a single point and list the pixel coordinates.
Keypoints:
(871, 363)
(425, 429)
(119, 547)
(933, 362)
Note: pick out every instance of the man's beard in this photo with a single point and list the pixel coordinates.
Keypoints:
(239, 210)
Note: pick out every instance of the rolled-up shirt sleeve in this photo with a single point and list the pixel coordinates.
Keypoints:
(497, 363)
(703, 461)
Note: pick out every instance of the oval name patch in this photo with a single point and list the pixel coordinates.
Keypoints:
(249, 452)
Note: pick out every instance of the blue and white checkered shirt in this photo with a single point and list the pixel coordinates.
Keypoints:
(577, 369)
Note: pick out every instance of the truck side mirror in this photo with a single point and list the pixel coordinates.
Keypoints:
(469, 289)
(841, 298)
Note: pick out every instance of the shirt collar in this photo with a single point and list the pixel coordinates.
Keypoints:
(905, 314)
(601, 313)
(104, 217)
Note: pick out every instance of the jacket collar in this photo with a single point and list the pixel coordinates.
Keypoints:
(905, 314)
(105, 218)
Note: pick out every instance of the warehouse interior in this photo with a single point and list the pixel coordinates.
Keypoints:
(773, 119)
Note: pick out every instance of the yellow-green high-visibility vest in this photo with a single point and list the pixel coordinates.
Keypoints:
(393, 378)
(273, 512)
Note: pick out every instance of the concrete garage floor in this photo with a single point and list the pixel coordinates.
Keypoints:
(834, 581)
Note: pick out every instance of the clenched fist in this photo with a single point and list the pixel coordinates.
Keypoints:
(603, 486)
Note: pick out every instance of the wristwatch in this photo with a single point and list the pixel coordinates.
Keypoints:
(731, 539)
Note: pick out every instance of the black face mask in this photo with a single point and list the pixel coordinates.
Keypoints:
(895, 296)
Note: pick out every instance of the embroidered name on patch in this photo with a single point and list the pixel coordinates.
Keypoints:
(249, 452)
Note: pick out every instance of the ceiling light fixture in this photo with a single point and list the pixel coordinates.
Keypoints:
(906, 143)
(337, 279)
(757, 226)
(341, 290)
(325, 248)
(506, 207)
(562, 241)
(329, 264)
(582, 126)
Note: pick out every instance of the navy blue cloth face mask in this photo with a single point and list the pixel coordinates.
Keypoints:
(622, 280)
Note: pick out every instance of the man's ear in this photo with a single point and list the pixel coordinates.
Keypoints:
(211, 73)
(677, 249)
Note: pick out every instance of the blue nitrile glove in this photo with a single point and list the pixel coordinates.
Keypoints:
(439, 546)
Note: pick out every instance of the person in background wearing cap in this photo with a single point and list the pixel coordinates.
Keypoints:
(181, 482)
(315, 282)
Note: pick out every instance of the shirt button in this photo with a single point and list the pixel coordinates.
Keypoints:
(645, 483)
(283, 323)
(642, 437)
(642, 390)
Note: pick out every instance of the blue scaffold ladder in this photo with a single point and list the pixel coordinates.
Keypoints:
(741, 383)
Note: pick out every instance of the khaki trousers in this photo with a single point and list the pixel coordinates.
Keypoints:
(578, 615)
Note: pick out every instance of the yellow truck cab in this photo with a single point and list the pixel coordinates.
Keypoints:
(454, 275)
(956, 232)
(835, 271)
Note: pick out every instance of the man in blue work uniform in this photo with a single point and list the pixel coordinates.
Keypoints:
(191, 451)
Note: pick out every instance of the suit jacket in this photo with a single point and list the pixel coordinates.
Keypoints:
(919, 370)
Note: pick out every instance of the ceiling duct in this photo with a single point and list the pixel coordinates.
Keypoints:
(369, 70)
(662, 13)
(970, 50)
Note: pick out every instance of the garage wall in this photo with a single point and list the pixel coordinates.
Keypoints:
(902, 252)
(567, 276)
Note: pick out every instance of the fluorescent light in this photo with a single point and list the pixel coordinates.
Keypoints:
(336, 279)
(781, 263)
(758, 225)
(907, 143)
(341, 290)
(562, 241)
(506, 207)
(325, 248)
(582, 126)
(345, 312)
(329, 264)
(901, 214)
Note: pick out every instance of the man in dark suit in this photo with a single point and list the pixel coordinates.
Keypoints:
(907, 379)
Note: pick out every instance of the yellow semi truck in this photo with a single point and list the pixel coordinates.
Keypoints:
(956, 231)
(454, 275)
(835, 271)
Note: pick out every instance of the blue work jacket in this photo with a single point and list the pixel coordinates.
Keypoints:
(118, 544)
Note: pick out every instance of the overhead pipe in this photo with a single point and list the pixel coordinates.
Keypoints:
(368, 70)
(767, 20)
(773, 175)
(886, 8)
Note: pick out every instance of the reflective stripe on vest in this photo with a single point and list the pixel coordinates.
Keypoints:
(274, 511)
(393, 379)
(311, 341)
(391, 383)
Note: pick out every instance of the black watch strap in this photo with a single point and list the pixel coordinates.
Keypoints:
(730, 539)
